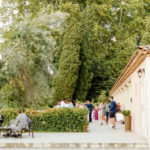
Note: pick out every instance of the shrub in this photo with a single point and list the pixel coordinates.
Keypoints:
(53, 120)
(126, 112)
(9, 114)
(102, 97)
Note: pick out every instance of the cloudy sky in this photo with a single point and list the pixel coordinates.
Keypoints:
(0, 2)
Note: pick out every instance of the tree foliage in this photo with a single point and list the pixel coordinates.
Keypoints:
(27, 54)
(86, 52)
(69, 64)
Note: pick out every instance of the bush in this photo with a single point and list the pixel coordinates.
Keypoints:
(102, 97)
(53, 120)
(9, 114)
(126, 112)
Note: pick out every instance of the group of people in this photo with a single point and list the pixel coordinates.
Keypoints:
(65, 103)
(107, 112)
(22, 121)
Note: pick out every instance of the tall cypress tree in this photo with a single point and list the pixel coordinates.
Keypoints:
(86, 53)
(67, 75)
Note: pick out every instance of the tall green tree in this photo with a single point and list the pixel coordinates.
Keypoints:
(27, 53)
(69, 64)
(87, 23)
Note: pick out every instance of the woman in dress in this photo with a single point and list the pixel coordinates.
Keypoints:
(103, 113)
(96, 112)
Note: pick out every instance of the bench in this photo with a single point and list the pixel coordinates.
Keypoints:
(30, 130)
(6, 129)
(9, 130)
(26, 130)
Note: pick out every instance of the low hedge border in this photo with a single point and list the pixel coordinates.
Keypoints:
(53, 120)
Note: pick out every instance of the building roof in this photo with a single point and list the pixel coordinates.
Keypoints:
(138, 57)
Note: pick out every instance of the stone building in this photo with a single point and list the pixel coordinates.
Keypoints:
(132, 90)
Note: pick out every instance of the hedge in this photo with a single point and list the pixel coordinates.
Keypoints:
(53, 120)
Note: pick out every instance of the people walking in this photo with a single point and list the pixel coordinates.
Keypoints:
(96, 112)
(102, 113)
(107, 112)
(112, 112)
(99, 109)
(90, 108)
(118, 107)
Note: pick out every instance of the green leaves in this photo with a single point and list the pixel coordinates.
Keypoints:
(87, 22)
(27, 51)
(66, 78)
(126, 112)
(87, 43)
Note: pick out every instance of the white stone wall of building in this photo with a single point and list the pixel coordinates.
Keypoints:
(129, 96)
(147, 78)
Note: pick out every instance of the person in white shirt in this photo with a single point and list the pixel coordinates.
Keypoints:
(62, 103)
(70, 104)
(58, 105)
(119, 117)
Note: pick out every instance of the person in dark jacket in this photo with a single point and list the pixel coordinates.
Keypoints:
(107, 106)
(90, 108)
(113, 109)
(1, 118)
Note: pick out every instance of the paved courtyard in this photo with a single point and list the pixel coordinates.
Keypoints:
(66, 149)
(97, 137)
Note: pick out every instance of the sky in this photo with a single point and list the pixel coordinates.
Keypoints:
(0, 25)
(0, 3)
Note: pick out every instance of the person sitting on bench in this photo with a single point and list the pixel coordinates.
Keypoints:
(22, 122)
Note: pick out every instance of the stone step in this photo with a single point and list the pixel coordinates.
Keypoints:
(19, 145)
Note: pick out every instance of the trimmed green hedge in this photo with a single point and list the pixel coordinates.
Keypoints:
(53, 120)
